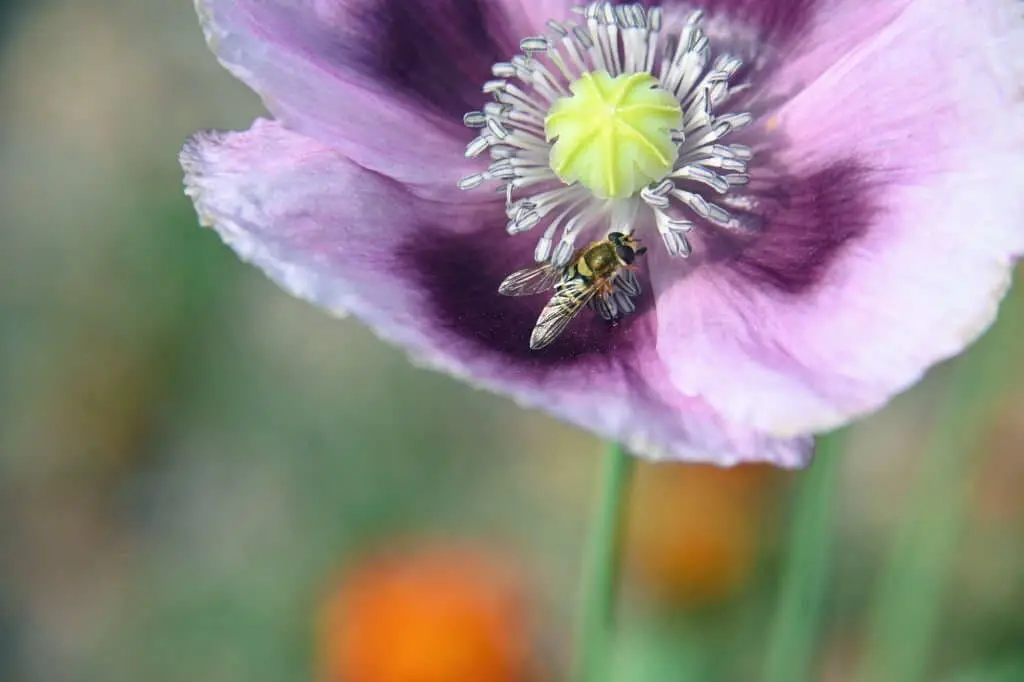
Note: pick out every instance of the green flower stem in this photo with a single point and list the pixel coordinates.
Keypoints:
(804, 584)
(908, 601)
(601, 570)
(907, 607)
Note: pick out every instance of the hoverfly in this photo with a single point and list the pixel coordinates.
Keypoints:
(600, 276)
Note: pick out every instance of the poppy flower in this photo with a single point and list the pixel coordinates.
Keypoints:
(829, 191)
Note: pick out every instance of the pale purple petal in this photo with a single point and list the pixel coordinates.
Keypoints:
(424, 275)
(893, 219)
(385, 81)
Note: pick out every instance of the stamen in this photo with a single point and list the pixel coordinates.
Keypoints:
(646, 137)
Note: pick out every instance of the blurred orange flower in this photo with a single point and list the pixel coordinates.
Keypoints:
(693, 529)
(430, 615)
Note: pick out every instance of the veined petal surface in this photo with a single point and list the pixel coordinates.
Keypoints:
(423, 274)
(892, 218)
(384, 81)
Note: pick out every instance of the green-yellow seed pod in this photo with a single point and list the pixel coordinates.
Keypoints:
(613, 135)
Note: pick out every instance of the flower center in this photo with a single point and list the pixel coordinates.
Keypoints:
(614, 134)
(607, 125)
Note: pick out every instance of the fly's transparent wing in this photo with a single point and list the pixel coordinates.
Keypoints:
(528, 281)
(570, 297)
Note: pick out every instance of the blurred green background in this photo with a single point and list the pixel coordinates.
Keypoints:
(204, 479)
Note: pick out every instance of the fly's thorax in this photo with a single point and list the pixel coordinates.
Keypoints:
(601, 260)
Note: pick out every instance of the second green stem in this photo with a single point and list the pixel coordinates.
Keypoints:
(595, 625)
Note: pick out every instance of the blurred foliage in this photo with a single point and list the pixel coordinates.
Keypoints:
(189, 458)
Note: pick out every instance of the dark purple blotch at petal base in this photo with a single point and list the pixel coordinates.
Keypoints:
(812, 220)
(436, 52)
(460, 274)
(439, 52)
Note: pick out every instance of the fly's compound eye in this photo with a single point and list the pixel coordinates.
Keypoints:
(616, 238)
(625, 254)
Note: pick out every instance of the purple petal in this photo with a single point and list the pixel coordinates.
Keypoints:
(385, 81)
(890, 233)
(424, 275)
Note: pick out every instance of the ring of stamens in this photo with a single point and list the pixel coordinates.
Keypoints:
(617, 40)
